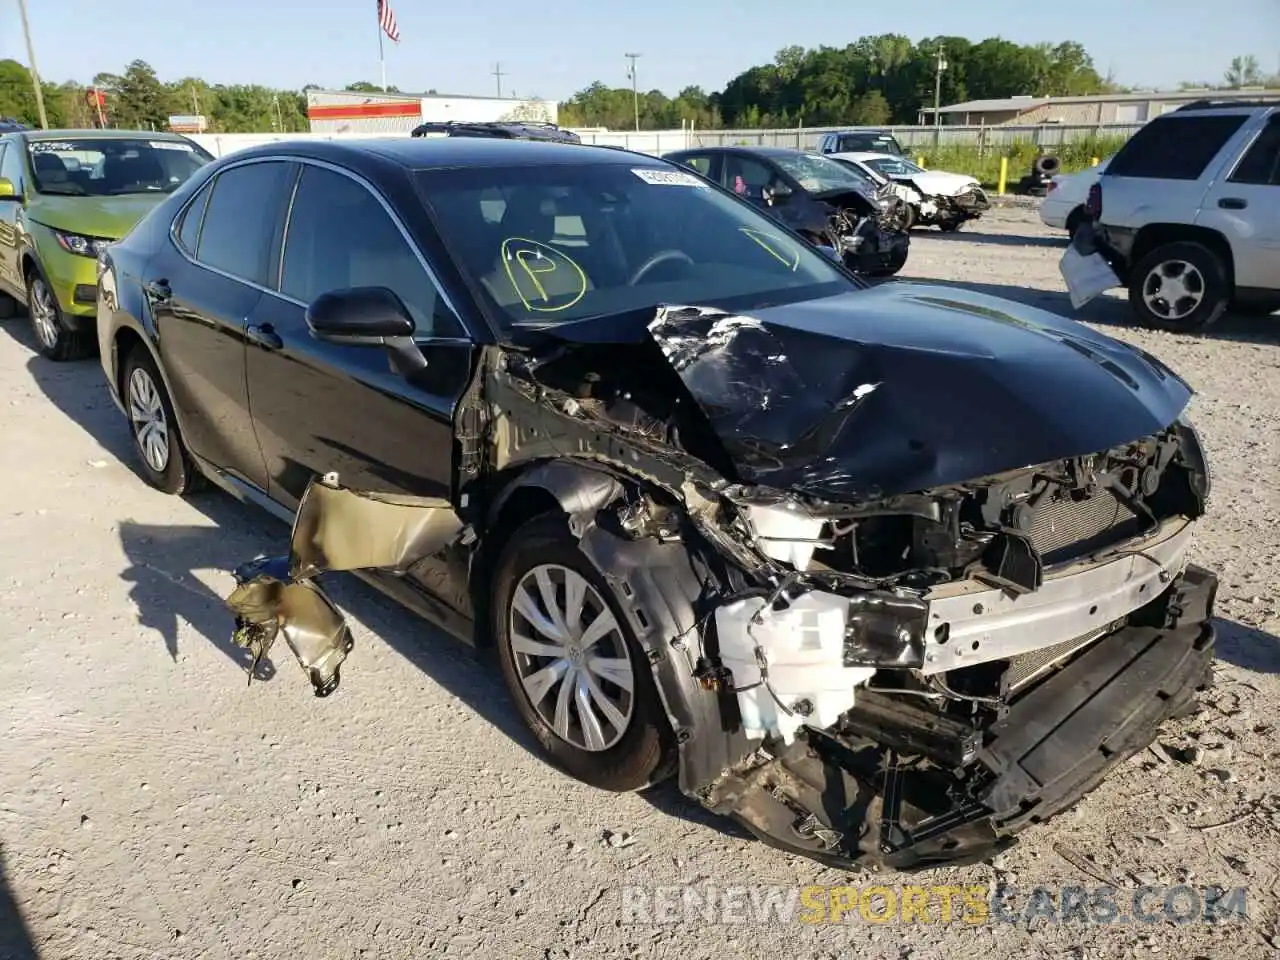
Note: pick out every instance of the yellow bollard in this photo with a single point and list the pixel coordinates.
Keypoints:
(1093, 162)
(920, 162)
(1004, 175)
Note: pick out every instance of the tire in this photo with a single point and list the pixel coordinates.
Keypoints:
(909, 216)
(950, 226)
(53, 339)
(143, 392)
(896, 262)
(618, 762)
(1198, 271)
(1074, 219)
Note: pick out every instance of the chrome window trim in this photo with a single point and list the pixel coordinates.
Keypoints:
(280, 295)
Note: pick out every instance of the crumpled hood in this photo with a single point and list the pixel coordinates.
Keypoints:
(939, 183)
(107, 217)
(909, 386)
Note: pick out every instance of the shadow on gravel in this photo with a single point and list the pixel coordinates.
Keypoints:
(998, 239)
(15, 939)
(1114, 311)
(1247, 647)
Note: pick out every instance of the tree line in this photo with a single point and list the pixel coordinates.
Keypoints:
(874, 80)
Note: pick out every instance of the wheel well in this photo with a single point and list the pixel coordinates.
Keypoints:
(1158, 234)
(28, 265)
(125, 343)
(523, 505)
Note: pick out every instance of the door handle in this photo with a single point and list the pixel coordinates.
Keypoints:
(158, 291)
(264, 335)
(1233, 203)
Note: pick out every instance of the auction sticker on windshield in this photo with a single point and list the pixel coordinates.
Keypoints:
(671, 178)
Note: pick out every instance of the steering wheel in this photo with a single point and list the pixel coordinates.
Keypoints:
(662, 256)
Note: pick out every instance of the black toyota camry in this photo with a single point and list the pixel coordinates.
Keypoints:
(886, 574)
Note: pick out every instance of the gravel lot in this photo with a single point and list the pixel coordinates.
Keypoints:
(152, 806)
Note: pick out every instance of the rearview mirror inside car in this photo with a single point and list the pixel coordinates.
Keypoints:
(7, 190)
(359, 315)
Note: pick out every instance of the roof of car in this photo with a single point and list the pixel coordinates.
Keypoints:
(95, 134)
(864, 155)
(757, 151)
(421, 153)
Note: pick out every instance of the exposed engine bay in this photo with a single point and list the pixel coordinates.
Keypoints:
(877, 639)
(866, 230)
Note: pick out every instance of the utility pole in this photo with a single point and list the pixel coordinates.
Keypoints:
(498, 75)
(937, 96)
(635, 89)
(35, 74)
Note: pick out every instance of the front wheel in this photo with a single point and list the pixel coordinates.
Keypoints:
(951, 226)
(53, 339)
(897, 260)
(162, 455)
(1179, 287)
(571, 662)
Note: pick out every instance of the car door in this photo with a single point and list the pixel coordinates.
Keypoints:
(1245, 207)
(10, 210)
(201, 290)
(321, 406)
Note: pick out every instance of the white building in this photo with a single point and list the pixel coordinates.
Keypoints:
(349, 111)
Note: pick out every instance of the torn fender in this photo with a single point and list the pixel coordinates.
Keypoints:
(336, 530)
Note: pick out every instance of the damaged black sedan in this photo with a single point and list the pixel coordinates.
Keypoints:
(841, 210)
(885, 574)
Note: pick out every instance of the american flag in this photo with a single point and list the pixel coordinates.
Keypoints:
(387, 20)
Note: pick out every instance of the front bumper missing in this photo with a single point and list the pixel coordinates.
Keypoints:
(850, 801)
(335, 530)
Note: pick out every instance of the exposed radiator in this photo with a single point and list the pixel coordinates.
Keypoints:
(1067, 528)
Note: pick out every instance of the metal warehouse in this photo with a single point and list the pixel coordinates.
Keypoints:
(347, 111)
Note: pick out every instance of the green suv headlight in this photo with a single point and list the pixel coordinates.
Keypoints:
(81, 245)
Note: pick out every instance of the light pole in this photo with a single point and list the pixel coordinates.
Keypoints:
(635, 89)
(937, 97)
(35, 74)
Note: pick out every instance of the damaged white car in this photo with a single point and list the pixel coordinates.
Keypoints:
(885, 574)
(936, 197)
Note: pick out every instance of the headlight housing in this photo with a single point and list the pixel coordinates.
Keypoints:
(81, 245)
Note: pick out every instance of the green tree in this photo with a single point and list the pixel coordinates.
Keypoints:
(1243, 72)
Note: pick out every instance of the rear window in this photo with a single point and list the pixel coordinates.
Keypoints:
(1175, 148)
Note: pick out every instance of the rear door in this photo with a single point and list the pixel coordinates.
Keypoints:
(201, 293)
(321, 406)
(11, 168)
(1245, 208)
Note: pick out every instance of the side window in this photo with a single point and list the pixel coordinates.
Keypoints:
(189, 231)
(1174, 147)
(11, 166)
(1261, 163)
(240, 227)
(701, 164)
(340, 236)
(747, 177)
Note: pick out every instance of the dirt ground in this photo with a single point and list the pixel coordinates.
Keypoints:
(153, 806)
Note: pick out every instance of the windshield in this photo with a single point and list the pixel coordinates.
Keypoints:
(551, 244)
(893, 166)
(815, 173)
(869, 143)
(110, 167)
(868, 179)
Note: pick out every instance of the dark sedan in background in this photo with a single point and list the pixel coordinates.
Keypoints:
(830, 205)
(887, 573)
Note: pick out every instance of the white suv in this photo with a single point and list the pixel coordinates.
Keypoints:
(1187, 216)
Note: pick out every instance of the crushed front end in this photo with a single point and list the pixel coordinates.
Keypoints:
(875, 643)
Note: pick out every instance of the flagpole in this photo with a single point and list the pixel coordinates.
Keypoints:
(382, 58)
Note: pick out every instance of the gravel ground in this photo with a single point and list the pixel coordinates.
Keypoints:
(152, 806)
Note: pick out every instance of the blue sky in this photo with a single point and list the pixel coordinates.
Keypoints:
(551, 48)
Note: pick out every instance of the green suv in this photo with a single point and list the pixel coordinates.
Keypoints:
(64, 196)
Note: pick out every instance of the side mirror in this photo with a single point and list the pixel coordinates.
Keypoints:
(7, 190)
(359, 315)
(368, 316)
(777, 193)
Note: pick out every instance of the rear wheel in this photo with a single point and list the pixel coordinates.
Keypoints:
(53, 339)
(1179, 287)
(571, 663)
(162, 455)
